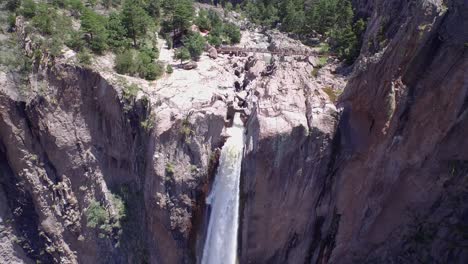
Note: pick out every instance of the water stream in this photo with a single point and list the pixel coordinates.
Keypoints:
(221, 239)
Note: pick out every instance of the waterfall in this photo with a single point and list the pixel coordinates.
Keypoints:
(221, 238)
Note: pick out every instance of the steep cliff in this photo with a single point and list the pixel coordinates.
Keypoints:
(288, 148)
(401, 188)
(99, 168)
(76, 143)
(389, 186)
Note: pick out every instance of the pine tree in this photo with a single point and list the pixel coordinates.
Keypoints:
(183, 15)
(202, 21)
(233, 33)
(116, 31)
(94, 25)
(153, 7)
(182, 54)
(135, 20)
(195, 44)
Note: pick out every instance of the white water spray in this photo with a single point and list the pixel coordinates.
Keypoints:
(221, 238)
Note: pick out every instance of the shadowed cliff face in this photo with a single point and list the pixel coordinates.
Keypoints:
(402, 113)
(382, 186)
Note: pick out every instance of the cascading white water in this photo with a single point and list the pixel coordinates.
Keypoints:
(221, 238)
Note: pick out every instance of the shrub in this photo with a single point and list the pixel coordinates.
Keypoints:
(195, 44)
(133, 62)
(84, 57)
(147, 124)
(170, 169)
(233, 33)
(43, 20)
(28, 8)
(143, 58)
(152, 71)
(12, 5)
(322, 61)
(214, 40)
(130, 92)
(96, 215)
(152, 53)
(76, 5)
(314, 72)
(324, 48)
(182, 54)
(186, 131)
(11, 21)
(75, 41)
(54, 45)
(124, 62)
(119, 205)
(202, 21)
(228, 6)
(169, 69)
(332, 93)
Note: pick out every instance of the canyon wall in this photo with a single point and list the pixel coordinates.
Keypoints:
(389, 186)
(72, 140)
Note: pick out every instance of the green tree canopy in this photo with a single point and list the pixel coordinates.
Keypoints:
(183, 15)
(28, 8)
(182, 54)
(195, 44)
(116, 32)
(135, 20)
(94, 25)
(202, 21)
(232, 32)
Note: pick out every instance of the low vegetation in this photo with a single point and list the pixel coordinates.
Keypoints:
(96, 215)
(186, 131)
(170, 169)
(139, 63)
(333, 94)
(108, 224)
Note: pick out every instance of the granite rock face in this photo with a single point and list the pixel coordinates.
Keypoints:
(79, 142)
(288, 148)
(73, 138)
(402, 144)
(388, 183)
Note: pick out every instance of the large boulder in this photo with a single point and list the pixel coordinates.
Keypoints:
(212, 53)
